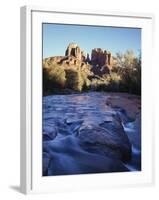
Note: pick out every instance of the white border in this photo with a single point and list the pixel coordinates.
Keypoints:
(31, 100)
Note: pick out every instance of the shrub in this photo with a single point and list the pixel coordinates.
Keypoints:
(114, 80)
(53, 79)
(74, 80)
(57, 76)
(125, 76)
(86, 81)
(128, 66)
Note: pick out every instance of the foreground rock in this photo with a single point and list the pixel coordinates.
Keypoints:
(82, 134)
(49, 133)
(128, 108)
(108, 139)
(65, 156)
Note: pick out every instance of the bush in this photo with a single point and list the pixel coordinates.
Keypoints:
(74, 80)
(57, 76)
(53, 79)
(114, 81)
(129, 68)
(125, 76)
(86, 81)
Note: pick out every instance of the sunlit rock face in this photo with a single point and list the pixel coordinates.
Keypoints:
(102, 61)
(99, 63)
(74, 50)
(100, 57)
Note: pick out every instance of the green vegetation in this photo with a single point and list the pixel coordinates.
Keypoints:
(74, 80)
(125, 76)
(129, 68)
(53, 79)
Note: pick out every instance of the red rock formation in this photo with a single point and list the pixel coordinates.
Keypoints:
(100, 63)
(74, 50)
(100, 57)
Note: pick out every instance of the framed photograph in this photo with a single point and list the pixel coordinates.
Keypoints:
(86, 100)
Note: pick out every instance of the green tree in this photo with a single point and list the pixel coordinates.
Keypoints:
(53, 79)
(128, 66)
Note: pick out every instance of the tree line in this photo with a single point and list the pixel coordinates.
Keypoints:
(125, 76)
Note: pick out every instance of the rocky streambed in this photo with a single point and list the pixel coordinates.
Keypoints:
(91, 133)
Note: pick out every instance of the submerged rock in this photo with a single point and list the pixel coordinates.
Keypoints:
(49, 133)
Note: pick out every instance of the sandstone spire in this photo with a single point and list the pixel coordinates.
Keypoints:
(74, 50)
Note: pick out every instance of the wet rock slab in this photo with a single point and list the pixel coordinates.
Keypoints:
(108, 140)
(82, 134)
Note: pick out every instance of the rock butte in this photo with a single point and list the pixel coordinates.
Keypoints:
(100, 60)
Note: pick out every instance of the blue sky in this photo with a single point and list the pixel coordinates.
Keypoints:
(56, 38)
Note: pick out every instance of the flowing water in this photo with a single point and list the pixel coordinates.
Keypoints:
(63, 152)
